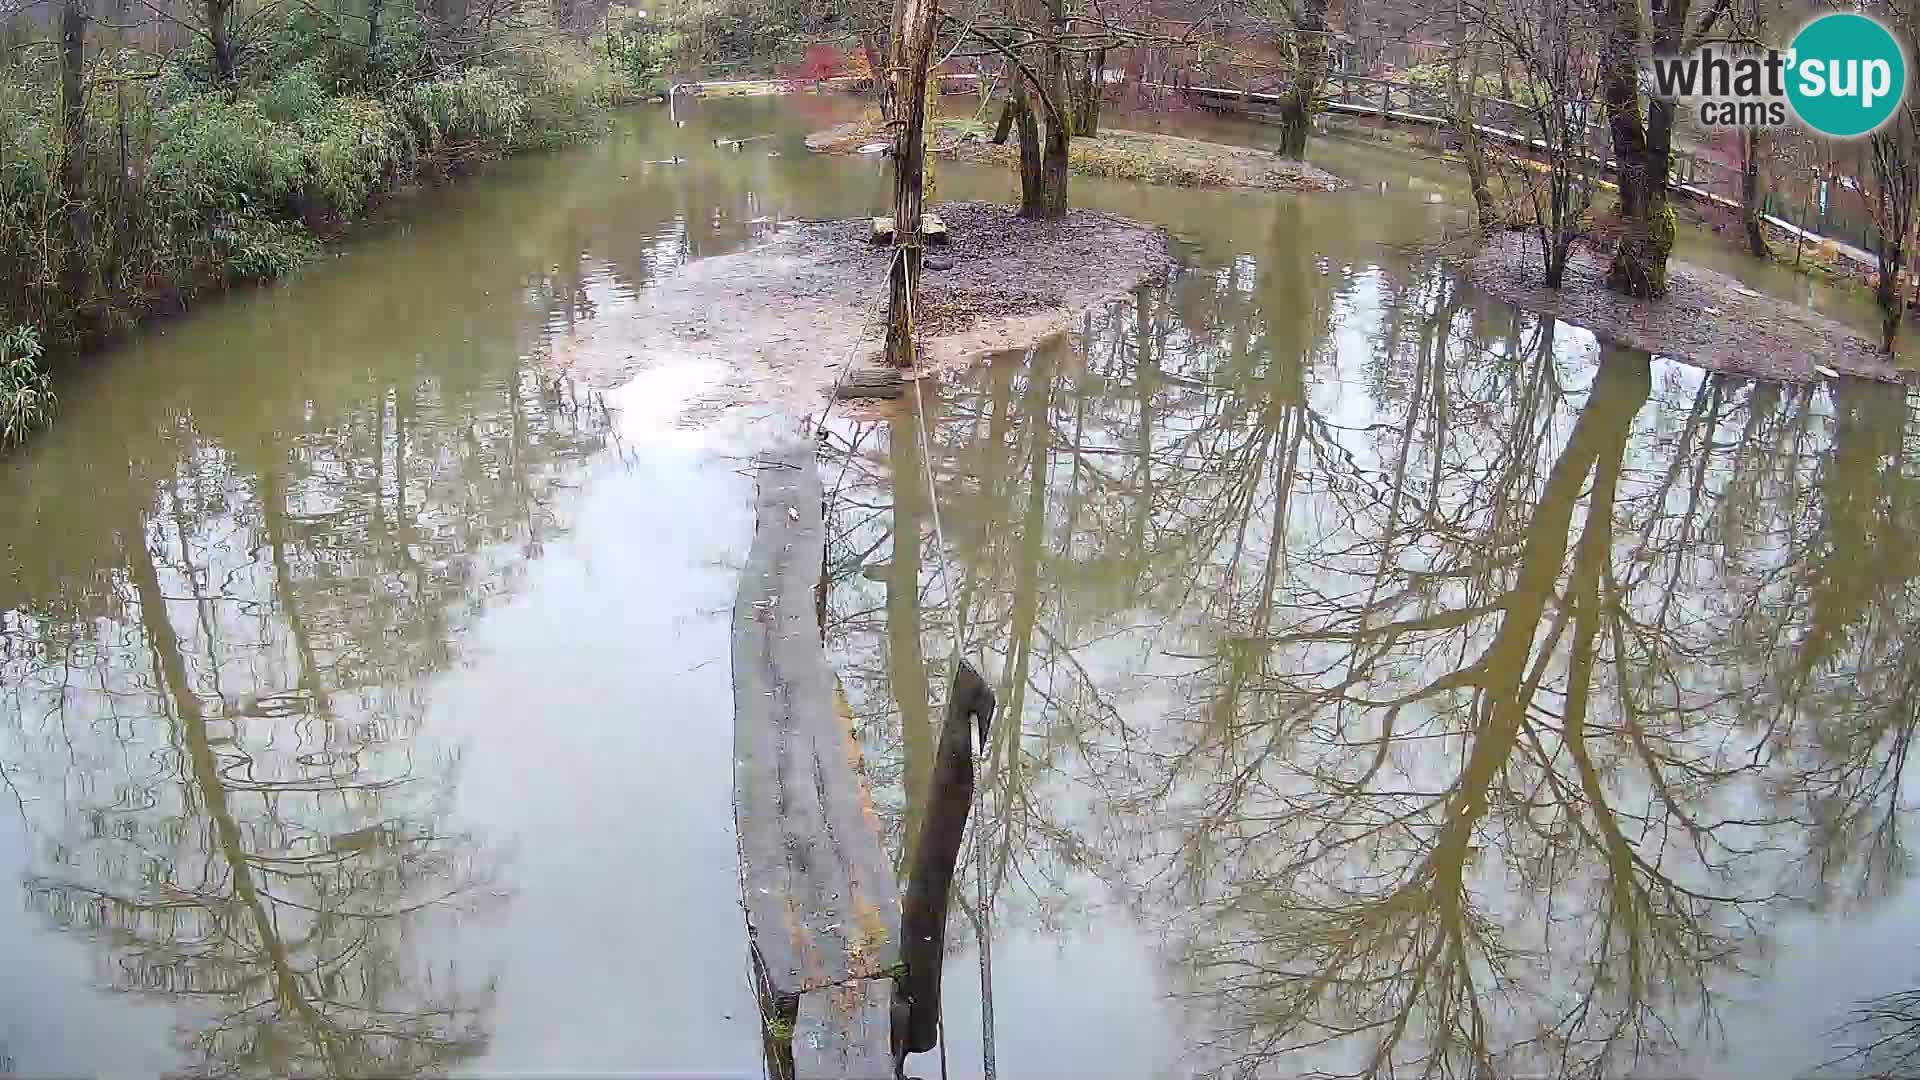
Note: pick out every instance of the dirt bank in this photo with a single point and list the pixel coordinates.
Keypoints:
(786, 314)
(1142, 156)
(1707, 319)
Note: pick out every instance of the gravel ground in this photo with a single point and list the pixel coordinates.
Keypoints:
(1707, 319)
(786, 314)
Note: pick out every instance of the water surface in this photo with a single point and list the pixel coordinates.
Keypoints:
(1389, 678)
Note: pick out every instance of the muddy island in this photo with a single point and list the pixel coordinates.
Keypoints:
(1706, 319)
(790, 312)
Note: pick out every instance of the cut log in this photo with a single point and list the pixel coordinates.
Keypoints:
(882, 231)
(871, 382)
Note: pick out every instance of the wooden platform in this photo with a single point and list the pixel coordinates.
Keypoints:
(823, 910)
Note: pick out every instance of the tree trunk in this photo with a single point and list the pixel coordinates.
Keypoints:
(1059, 135)
(1887, 295)
(1092, 89)
(76, 268)
(1896, 176)
(1806, 214)
(913, 50)
(1005, 126)
(373, 27)
(877, 66)
(1471, 148)
(1031, 185)
(220, 36)
(1053, 174)
(1310, 71)
(1750, 196)
(1642, 144)
(1559, 248)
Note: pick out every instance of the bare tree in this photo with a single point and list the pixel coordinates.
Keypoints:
(1312, 57)
(1552, 42)
(912, 53)
(1895, 152)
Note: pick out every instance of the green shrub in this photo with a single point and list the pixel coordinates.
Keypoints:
(353, 147)
(26, 397)
(294, 94)
(641, 51)
(214, 156)
(254, 248)
(468, 109)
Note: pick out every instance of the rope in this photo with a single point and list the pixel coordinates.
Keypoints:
(985, 907)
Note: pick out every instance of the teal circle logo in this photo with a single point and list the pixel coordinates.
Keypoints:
(1847, 75)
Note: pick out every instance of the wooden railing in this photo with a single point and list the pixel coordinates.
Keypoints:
(1694, 177)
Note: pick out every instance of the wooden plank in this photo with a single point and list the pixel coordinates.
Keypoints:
(871, 382)
(842, 1032)
(822, 906)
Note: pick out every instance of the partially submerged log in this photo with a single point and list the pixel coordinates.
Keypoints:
(823, 910)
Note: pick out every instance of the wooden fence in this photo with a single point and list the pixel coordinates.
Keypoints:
(1694, 177)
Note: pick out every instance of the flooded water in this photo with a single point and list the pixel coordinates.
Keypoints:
(1391, 682)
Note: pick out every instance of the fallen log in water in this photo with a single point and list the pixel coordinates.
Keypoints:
(823, 911)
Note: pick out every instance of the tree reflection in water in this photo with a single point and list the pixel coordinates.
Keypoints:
(1462, 699)
(243, 809)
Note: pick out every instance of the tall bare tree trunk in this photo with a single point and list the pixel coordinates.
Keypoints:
(76, 268)
(1053, 171)
(1896, 181)
(1089, 95)
(1309, 73)
(220, 36)
(1031, 186)
(1465, 127)
(912, 52)
(1643, 145)
(877, 64)
(1059, 135)
(1750, 195)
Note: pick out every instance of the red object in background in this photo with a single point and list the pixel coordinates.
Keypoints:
(817, 63)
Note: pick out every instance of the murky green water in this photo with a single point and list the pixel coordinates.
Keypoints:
(1388, 678)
